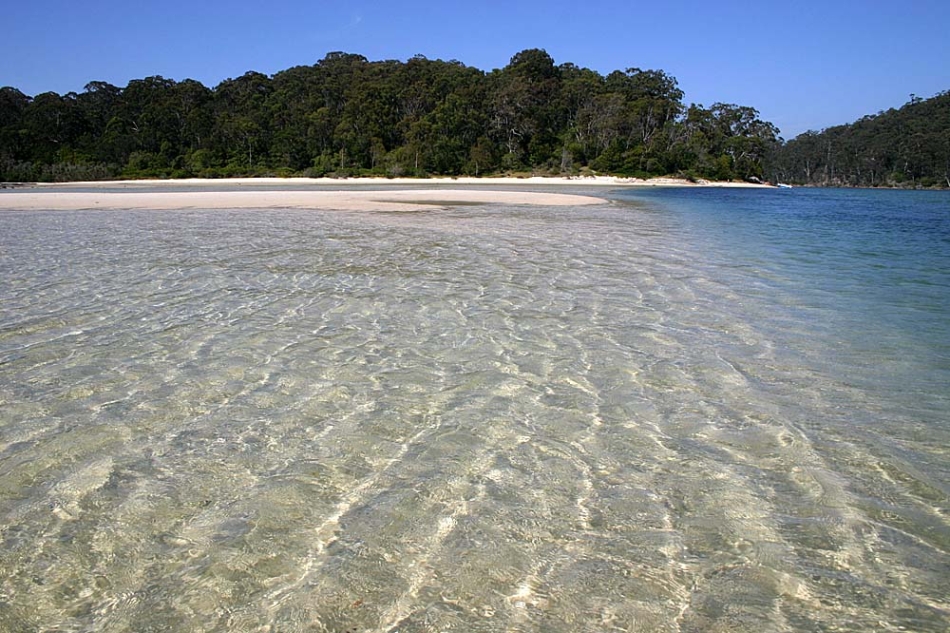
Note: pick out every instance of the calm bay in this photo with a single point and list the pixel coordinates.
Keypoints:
(680, 410)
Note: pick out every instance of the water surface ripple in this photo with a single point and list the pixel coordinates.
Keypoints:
(466, 419)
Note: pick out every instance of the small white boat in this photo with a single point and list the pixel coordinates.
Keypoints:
(782, 185)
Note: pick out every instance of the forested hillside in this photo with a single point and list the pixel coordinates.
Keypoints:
(346, 115)
(909, 147)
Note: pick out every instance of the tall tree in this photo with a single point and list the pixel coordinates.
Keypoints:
(524, 107)
(909, 146)
(13, 142)
(347, 115)
(241, 119)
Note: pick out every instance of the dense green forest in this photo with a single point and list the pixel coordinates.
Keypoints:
(908, 147)
(347, 116)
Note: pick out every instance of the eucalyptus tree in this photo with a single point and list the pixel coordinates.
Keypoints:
(347, 115)
(524, 98)
(97, 105)
(49, 127)
(580, 90)
(13, 104)
(907, 146)
(242, 125)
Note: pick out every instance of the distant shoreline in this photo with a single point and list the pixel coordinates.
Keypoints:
(611, 181)
(352, 194)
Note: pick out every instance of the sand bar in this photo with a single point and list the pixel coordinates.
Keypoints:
(352, 194)
(348, 183)
(49, 198)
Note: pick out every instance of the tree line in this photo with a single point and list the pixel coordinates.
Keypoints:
(905, 147)
(348, 116)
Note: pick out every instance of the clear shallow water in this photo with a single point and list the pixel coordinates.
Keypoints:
(690, 410)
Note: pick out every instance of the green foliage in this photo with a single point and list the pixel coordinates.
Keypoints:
(908, 147)
(348, 116)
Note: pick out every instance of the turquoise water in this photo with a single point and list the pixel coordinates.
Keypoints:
(681, 410)
(868, 271)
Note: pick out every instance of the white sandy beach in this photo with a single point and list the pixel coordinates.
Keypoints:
(607, 181)
(395, 200)
(573, 181)
(335, 194)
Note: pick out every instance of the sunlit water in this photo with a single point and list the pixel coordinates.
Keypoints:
(683, 410)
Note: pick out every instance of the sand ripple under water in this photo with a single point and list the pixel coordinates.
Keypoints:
(466, 419)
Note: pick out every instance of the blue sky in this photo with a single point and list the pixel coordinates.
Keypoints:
(803, 64)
